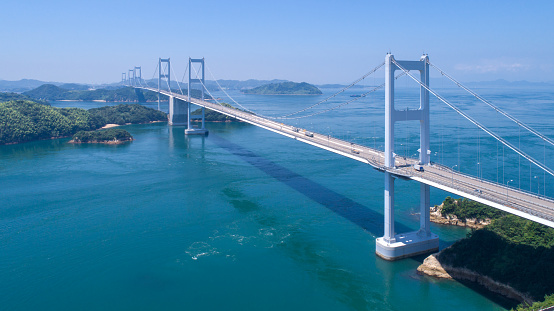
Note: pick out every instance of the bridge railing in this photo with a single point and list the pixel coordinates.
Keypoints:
(498, 184)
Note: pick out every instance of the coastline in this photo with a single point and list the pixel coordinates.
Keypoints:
(60, 137)
(105, 142)
(431, 266)
(437, 217)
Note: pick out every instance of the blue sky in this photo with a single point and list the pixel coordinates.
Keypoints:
(312, 41)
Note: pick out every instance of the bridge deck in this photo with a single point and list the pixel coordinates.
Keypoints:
(524, 204)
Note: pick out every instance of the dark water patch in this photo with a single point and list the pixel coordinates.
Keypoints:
(244, 206)
(355, 212)
(311, 256)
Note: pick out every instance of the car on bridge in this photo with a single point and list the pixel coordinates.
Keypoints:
(309, 134)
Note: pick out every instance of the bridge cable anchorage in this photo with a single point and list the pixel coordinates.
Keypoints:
(482, 127)
(525, 126)
(285, 117)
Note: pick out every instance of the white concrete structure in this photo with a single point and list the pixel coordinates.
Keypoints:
(178, 111)
(190, 129)
(392, 246)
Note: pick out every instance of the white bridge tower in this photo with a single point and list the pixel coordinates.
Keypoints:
(394, 246)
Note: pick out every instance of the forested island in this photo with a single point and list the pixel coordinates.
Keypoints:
(511, 255)
(23, 120)
(107, 136)
(284, 88)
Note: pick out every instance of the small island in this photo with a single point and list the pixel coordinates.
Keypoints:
(111, 136)
(284, 88)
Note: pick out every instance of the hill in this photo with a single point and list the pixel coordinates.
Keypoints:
(77, 92)
(23, 120)
(285, 88)
(7, 96)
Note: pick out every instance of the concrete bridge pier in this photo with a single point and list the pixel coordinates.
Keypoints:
(177, 111)
(394, 246)
(192, 130)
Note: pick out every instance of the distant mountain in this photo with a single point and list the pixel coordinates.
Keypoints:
(7, 96)
(285, 88)
(46, 92)
(505, 83)
(22, 85)
(121, 94)
(339, 86)
(213, 85)
(126, 94)
(75, 86)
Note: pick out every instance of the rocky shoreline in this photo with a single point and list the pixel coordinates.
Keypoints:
(433, 267)
(439, 218)
(106, 142)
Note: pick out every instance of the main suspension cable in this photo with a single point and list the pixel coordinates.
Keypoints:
(525, 126)
(494, 135)
(285, 117)
(177, 81)
(339, 92)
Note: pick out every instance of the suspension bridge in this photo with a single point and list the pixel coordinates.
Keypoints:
(391, 246)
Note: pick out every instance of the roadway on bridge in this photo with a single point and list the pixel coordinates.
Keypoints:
(521, 203)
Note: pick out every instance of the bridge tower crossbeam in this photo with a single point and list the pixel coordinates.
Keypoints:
(131, 76)
(201, 80)
(137, 76)
(394, 246)
(164, 75)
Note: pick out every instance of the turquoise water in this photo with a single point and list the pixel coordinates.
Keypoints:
(241, 219)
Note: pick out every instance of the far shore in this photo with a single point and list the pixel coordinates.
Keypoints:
(283, 94)
(107, 126)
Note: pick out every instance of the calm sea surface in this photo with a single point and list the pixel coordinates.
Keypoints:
(244, 219)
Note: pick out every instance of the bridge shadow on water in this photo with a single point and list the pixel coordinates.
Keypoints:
(351, 287)
(349, 209)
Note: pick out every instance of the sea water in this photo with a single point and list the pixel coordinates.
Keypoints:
(244, 219)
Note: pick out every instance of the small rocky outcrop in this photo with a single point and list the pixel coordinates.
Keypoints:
(438, 217)
(433, 267)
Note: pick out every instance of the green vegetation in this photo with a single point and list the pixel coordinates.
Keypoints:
(467, 209)
(5, 96)
(22, 121)
(547, 302)
(126, 94)
(212, 116)
(103, 136)
(123, 114)
(76, 92)
(285, 88)
(510, 250)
